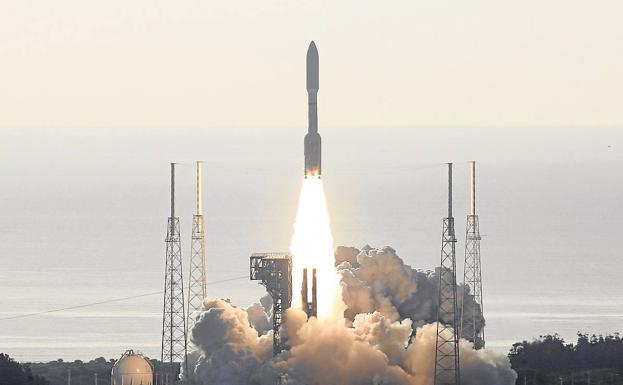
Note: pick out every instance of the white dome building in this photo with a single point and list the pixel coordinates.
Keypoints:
(132, 369)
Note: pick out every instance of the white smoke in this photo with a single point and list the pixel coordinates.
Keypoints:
(229, 349)
(386, 336)
(379, 280)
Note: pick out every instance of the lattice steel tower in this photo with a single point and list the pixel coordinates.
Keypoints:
(472, 324)
(447, 369)
(197, 271)
(173, 315)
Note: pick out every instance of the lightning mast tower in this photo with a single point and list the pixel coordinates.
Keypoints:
(173, 316)
(472, 326)
(197, 272)
(447, 370)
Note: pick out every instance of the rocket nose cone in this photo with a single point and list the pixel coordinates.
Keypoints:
(312, 67)
(312, 48)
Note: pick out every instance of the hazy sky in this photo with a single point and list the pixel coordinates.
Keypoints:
(477, 62)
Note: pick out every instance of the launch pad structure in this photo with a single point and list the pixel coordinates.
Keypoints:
(274, 271)
(472, 274)
(174, 348)
(447, 368)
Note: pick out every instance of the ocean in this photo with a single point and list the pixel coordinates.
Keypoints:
(83, 220)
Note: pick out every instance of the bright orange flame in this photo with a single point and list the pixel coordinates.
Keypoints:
(312, 247)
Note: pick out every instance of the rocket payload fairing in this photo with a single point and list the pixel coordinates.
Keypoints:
(313, 150)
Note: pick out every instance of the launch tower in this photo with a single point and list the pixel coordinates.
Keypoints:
(274, 271)
(197, 271)
(447, 370)
(472, 326)
(173, 316)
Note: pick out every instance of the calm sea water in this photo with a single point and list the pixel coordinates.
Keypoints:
(83, 215)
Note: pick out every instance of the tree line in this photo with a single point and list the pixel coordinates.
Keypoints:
(547, 360)
(593, 359)
(14, 373)
(58, 372)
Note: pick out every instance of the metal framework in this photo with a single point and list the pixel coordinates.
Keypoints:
(197, 270)
(472, 325)
(274, 271)
(174, 349)
(447, 368)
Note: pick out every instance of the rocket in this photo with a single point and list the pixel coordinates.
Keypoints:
(313, 155)
(312, 138)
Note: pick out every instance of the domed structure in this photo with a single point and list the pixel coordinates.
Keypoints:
(132, 369)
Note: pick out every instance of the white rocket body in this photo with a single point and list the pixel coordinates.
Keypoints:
(313, 149)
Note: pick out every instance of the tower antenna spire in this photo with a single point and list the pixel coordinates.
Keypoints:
(472, 321)
(197, 290)
(172, 190)
(447, 369)
(174, 349)
(199, 187)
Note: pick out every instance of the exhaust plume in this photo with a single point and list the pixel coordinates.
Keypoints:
(386, 336)
(379, 280)
(312, 248)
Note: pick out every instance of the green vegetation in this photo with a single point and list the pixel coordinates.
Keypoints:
(82, 373)
(14, 373)
(548, 360)
(57, 372)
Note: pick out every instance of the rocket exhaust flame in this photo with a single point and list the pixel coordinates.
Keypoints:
(312, 248)
(312, 242)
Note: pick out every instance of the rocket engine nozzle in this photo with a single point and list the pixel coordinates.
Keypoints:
(312, 155)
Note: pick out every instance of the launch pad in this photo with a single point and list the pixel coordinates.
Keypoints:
(274, 270)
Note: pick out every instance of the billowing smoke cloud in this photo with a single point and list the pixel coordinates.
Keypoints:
(260, 315)
(378, 280)
(386, 336)
(229, 350)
